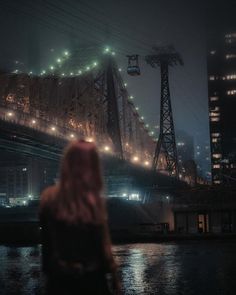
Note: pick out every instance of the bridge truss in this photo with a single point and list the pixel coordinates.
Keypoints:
(95, 106)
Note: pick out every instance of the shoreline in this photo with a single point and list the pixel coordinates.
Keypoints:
(28, 233)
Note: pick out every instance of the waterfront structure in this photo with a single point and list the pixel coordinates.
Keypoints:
(205, 210)
(222, 92)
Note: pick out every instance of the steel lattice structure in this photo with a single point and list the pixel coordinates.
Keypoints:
(93, 105)
(164, 57)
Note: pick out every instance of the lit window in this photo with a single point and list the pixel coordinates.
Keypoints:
(230, 56)
(215, 139)
(230, 35)
(215, 109)
(212, 78)
(217, 181)
(215, 134)
(216, 166)
(215, 119)
(231, 92)
(216, 156)
(214, 114)
(212, 52)
(180, 143)
(231, 77)
(214, 98)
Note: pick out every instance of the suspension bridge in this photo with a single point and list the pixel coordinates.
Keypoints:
(40, 113)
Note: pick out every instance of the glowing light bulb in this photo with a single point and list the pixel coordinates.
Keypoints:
(33, 121)
(135, 159)
(95, 64)
(79, 72)
(120, 70)
(71, 73)
(72, 135)
(131, 97)
(63, 74)
(51, 67)
(10, 114)
(146, 163)
(137, 108)
(147, 125)
(89, 139)
(53, 128)
(87, 68)
(58, 60)
(142, 118)
(66, 53)
(107, 148)
(125, 84)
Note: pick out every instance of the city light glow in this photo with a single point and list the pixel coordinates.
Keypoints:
(107, 148)
(135, 158)
(89, 139)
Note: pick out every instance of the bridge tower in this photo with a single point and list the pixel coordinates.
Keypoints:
(113, 122)
(164, 57)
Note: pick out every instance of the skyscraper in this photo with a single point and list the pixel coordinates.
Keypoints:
(221, 62)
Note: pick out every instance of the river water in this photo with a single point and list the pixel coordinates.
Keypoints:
(196, 267)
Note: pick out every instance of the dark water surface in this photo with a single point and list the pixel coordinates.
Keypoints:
(202, 267)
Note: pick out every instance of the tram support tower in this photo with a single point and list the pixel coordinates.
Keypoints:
(164, 57)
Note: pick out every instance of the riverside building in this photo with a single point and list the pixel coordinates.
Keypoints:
(221, 61)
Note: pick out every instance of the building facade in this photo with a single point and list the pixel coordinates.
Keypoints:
(221, 61)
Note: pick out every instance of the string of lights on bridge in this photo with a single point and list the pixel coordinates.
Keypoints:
(52, 68)
(104, 148)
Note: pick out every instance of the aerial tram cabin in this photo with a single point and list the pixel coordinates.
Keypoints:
(133, 65)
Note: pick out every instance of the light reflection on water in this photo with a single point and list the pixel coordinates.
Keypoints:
(201, 268)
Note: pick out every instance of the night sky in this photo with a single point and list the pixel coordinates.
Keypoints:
(35, 32)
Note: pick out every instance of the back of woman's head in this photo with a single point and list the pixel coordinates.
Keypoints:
(80, 165)
(79, 190)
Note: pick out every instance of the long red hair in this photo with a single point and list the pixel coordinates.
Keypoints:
(78, 197)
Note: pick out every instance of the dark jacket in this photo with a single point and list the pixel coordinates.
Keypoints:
(74, 254)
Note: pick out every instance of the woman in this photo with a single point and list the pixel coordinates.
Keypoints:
(76, 247)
